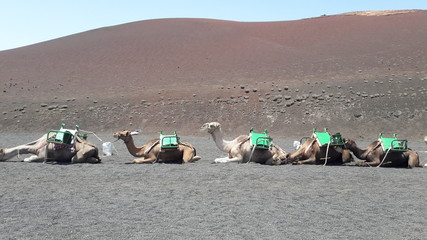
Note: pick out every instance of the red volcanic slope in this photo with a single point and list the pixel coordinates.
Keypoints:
(359, 73)
(165, 52)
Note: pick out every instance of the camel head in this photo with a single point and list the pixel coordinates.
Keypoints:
(349, 143)
(124, 135)
(280, 156)
(210, 127)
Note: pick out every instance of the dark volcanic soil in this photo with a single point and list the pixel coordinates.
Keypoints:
(115, 200)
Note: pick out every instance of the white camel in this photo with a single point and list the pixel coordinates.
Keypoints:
(81, 151)
(240, 149)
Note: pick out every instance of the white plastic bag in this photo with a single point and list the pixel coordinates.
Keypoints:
(107, 148)
(297, 145)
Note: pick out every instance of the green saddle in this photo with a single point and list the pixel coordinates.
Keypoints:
(393, 144)
(169, 141)
(62, 136)
(324, 138)
(260, 140)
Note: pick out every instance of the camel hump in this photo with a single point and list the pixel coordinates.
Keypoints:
(186, 144)
(81, 140)
(242, 138)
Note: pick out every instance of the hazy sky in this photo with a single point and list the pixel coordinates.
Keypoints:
(25, 22)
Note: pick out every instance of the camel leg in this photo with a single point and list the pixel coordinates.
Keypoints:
(34, 158)
(86, 160)
(413, 159)
(151, 158)
(2, 155)
(86, 155)
(188, 156)
(273, 161)
(368, 164)
(8, 153)
(227, 159)
(144, 160)
(310, 160)
(346, 156)
(195, 159)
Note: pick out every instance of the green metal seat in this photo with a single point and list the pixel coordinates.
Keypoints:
(169, 141)
(260, 140)
(337, 140)
(393, 144)
(62, 136)
(324, 138)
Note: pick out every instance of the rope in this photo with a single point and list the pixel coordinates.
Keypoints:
(250, 156)
(388, 150)
(19, 156)
(327, 151)
(157, 157)
(91, 133)
(115, 149)
(309, 146)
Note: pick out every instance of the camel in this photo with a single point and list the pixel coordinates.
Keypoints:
(151, 152)
(310, 152)
(80, 151)
(425, 139)
(374, 156)
(240, 150)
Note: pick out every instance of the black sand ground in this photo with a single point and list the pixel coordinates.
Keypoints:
(115, 200)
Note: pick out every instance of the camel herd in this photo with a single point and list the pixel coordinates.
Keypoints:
(240, 150)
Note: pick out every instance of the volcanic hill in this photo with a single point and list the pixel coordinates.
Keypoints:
(358, 73)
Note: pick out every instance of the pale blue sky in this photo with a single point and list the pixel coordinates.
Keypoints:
(25, 22)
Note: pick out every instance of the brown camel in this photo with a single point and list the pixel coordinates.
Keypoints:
(312, 153)
(151, 152)
(374, 155)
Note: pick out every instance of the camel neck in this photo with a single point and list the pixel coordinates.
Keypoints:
(358, 152)
(132, 148)
(219, 140)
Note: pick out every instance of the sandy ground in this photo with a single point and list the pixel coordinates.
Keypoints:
(116, 200)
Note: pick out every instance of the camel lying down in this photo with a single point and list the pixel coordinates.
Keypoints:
(81, 151)
(311, 153)
(151, 152)
(240, 149)
(374, 155)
